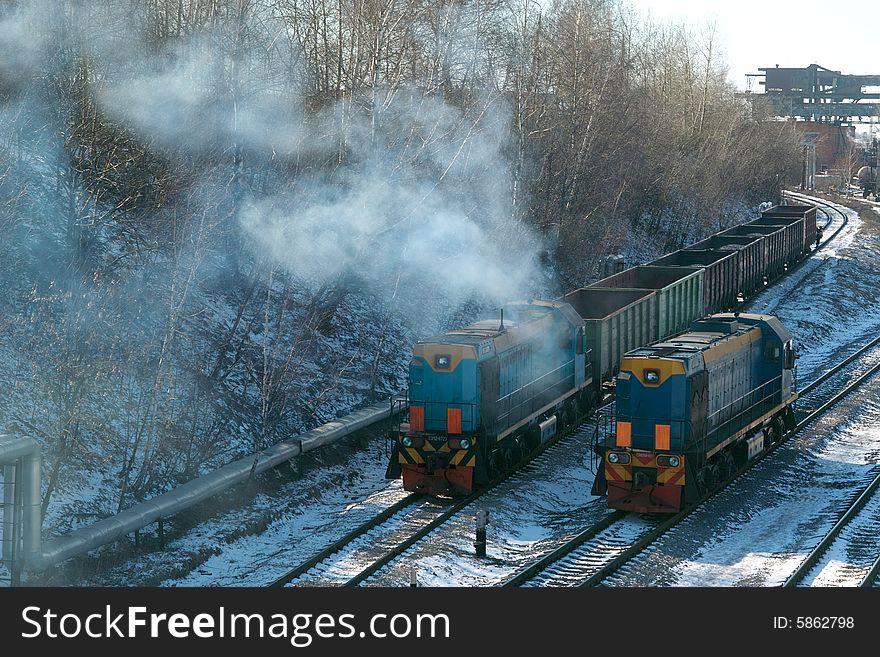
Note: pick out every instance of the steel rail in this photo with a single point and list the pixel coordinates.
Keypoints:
(832, 372)
(813, 557)
(418, 535)
(339, 545)
(379, 564)
(869, 579)
(818, 201)
(539, 566)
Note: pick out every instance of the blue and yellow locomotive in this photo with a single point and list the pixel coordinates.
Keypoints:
(693, 408)
(483, 396)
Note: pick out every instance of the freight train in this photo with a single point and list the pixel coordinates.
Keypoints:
(484, 397)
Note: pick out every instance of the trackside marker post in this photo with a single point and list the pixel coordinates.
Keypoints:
(482, 521)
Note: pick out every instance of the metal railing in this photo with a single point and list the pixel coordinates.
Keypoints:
(532, 399)
(748, 414)
(435, 412)
(610, 426)
(732, 424)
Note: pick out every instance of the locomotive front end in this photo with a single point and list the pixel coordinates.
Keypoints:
(643, 467)
(694, 409)
(435, 441)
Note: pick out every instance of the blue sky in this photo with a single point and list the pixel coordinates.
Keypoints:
(757, 34)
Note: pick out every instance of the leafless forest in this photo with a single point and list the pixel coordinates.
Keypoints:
(225, 221)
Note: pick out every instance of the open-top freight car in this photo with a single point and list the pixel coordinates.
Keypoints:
(615, 321)
(719, 274)
(772, 260)
(486, 395)
(750, 260)
(798, 226)
(795, 211)
(679, 293)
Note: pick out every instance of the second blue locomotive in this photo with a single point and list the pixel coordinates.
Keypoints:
(692, 409)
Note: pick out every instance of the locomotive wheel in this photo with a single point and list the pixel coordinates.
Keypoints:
(712, 478)
(588, 398)
(740, 455)
(533, 438)
(508, 459)
(778, 429)
(561, 420)
(726, 467)
(496, 464)
(516, 452)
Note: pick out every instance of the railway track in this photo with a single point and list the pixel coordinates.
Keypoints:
(856, 537)
(571, 563)
(603, 549)
(872, 577)
(373, 545)
(827, 208)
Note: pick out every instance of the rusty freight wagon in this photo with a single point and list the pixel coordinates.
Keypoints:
(750, 256)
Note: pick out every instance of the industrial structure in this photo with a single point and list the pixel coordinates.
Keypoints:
(868, 174)
(816, 93)
(824, 106)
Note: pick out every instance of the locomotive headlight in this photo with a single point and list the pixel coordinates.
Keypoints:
(465, 443)
(407, 441)
(613, 457)
(664, 461)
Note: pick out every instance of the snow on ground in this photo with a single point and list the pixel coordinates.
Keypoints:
(308, 514)
(575, 568)
(534, 513)
(528, 517)
(851, 555)
(553, 503)
(262, 558)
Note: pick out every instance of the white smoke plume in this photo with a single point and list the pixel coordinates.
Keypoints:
(399, 186)
(439, 214)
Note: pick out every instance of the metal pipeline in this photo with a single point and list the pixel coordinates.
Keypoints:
(12, 449)
(8, 511)
(167, 504)
(26, 452)
(30, 506)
